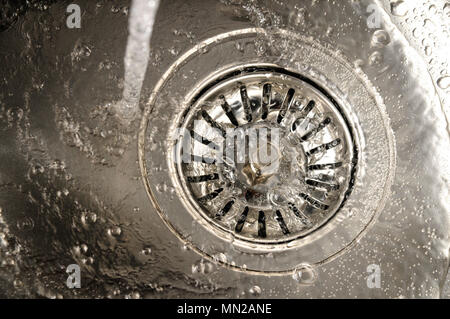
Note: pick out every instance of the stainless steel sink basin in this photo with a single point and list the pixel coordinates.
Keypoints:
(358, 90)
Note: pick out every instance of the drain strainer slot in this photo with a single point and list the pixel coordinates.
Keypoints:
(265, 155)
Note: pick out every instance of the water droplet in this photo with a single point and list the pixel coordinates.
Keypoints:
(115, 231)
(376, 58)
(115, 9)
(428, 24)
(432, 9)
(18, 283)
(202, 267)
(305, 274)
(133, 295)
(3, 241)
(358, 63)
(25, 224)
(173, 51)
(444, 82)
(255, 291)
(93, 217)
(239, 46)
(380, 38)
(447, 9)
(87, 261)
(88, 217)
(220, 257)
(77, 250)
(146, 251)
(399, 8)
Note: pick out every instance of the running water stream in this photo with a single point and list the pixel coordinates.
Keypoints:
(140, 27)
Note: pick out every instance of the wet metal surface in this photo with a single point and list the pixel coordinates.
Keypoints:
(72, 183)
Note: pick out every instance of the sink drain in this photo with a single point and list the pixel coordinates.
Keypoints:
(265, 154)
(268, 165)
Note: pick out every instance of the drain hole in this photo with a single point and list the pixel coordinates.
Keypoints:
(286, 105)
(281, 222)
(303, 114)
(241, 220)
(324, 147)
(225, 209)
(202, 178)
(205, 199)
(262, 225)
(227, 109)
(245, 104)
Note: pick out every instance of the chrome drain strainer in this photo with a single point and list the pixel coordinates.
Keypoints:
(265, 155)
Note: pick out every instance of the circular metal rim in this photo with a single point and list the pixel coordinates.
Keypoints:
(362, 81)
(191, 204)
